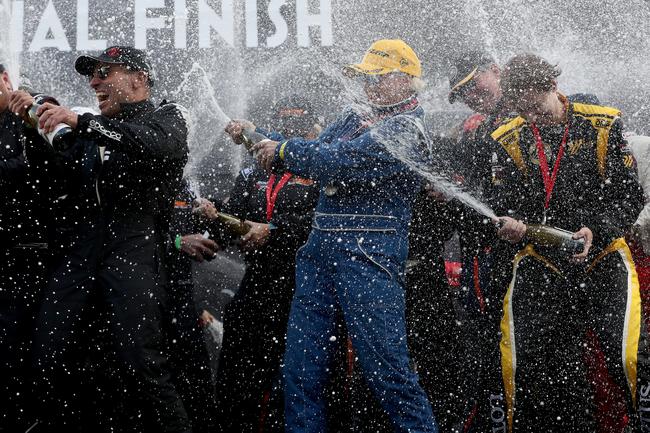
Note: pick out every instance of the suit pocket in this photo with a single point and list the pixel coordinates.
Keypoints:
(383, 251)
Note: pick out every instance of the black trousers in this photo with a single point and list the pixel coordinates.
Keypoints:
(481, 331)
(249, 391)
(437, 344)
(188, 357)
(548, 310)
(22, 277)
(112, 270)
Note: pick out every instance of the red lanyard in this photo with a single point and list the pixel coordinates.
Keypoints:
(549, 179)
(272, 193)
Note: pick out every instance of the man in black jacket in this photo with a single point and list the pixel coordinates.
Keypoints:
(23, 250)
(475, 81)
(118, 175)
(188, 353)
(279, 211)
(566, 165)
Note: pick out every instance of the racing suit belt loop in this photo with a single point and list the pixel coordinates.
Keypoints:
(357, 222)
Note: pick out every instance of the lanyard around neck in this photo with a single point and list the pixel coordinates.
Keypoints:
(549, 178)
(272, 193)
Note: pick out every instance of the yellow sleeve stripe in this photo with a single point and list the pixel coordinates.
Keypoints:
(282, 147)
(595, 110)
(508, 136)
(506, 128)
(602, 119)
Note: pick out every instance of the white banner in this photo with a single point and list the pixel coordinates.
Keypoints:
(216, 20)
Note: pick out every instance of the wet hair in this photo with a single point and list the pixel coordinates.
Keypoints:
(525, 73)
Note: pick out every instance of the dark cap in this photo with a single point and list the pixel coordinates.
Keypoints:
(464, 69)
(134, 59)
(294, 113)
(293, 105)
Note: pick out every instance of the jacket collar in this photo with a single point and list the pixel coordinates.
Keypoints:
(408, 104)
(134, 109)
(382, 112)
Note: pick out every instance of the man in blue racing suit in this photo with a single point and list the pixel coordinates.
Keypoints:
(349, 274)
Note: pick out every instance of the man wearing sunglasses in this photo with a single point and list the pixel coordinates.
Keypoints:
(115, 186)
(349, 273)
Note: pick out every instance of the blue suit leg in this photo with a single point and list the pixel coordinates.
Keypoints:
(371, 292)
(310, 346)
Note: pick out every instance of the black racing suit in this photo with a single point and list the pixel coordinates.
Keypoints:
(485, 267)
(486, 263)
(188, 353)
(476, 234)
(115, 188)
(24, 220)
(249, 393)
(437, 346)
(551, 303)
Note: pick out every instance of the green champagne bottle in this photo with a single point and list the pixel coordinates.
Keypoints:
(233, 223)
(251, 137)
(553, 237)
(60, 131)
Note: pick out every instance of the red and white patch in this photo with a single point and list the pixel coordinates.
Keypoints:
(113, 52)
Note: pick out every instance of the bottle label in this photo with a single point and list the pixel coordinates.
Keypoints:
(58, 132)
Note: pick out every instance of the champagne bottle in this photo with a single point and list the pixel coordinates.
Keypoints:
(233, 223)
(54, 137)
(547, 236)
(251, 137)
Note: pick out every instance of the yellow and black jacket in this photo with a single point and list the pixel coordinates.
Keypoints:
(596, 186)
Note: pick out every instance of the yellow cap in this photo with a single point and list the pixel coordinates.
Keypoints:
(386, 56)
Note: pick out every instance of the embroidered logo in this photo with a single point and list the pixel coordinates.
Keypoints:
(113, 52)
(99, 128)
(575, 145)
(245, 173)
(301, 181)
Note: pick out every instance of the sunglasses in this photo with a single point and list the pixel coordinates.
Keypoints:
(102, 73)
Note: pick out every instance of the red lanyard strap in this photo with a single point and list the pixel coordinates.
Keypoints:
(549, 179)
(272, 193)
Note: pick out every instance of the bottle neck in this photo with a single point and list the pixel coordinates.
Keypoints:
(31, 113)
